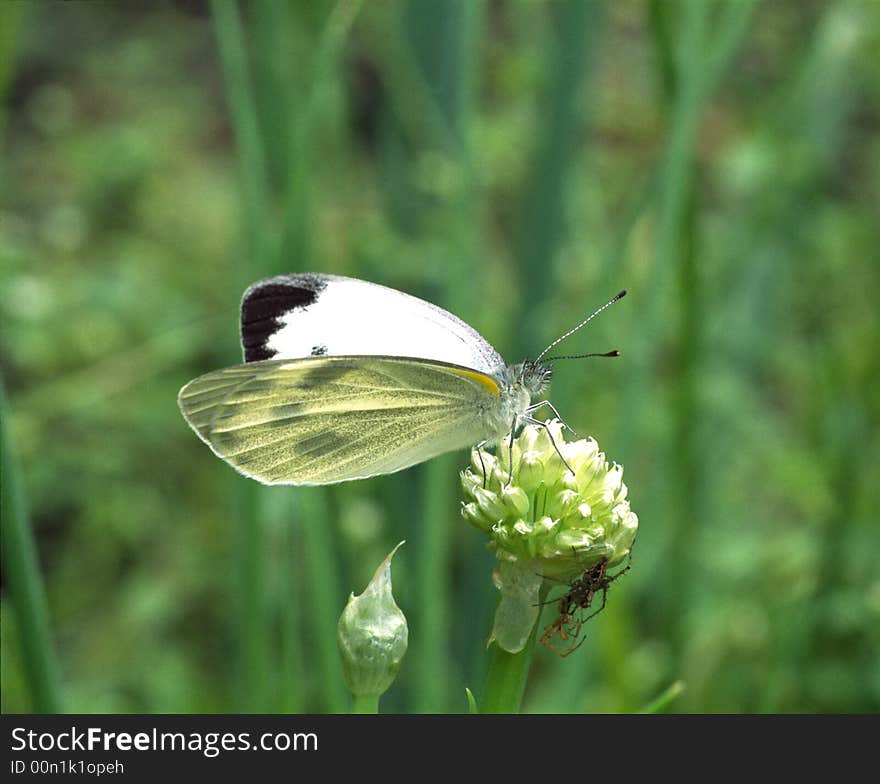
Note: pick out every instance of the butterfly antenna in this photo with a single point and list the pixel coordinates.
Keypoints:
(583, 356)
(586, 321)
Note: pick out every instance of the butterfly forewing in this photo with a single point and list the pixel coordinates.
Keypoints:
(313, 314)
(330, 419)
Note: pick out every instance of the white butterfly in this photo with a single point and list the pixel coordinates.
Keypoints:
(345, 379)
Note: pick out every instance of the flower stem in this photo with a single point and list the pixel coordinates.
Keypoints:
(365, 703)
(507, 675)
(506, 679)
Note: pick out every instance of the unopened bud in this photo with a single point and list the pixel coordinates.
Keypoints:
(372, 636)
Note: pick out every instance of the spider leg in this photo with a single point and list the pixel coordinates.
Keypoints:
(549, 632)
(571, 631)
(625, 569)
(551, 577)
(573, 648)
(604, 599)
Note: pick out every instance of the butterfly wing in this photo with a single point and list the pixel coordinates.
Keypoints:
(312, 314)
(330, 419)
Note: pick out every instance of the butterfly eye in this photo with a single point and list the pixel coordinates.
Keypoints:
(535, 376)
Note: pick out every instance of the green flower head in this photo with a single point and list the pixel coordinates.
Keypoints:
(561, 510)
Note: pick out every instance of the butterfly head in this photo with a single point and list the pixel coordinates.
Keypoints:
(534, 377)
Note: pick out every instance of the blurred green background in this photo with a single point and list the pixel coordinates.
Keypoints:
(517, 162)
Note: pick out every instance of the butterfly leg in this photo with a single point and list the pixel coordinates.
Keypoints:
(552, 440)
(510, 451)
(479, 448)
(549, 405)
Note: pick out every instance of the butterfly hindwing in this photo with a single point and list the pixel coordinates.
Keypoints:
(329, 419)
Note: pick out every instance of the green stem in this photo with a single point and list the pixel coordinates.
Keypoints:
(365, 703)
(506, 679)
(21, 571)
(507, 676)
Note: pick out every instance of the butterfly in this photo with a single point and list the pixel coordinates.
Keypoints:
(345, 379)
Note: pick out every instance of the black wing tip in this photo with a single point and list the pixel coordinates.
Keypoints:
(267, 301)
(312, 281)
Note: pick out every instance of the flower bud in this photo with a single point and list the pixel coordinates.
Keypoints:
(515, 500)
(372, 636)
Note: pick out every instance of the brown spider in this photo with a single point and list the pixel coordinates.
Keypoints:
(574, 602)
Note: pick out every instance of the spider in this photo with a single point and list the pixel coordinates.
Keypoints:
(573, 603)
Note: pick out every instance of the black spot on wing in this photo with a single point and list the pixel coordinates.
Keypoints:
(324, 374)
(319, 351)
(266, 302)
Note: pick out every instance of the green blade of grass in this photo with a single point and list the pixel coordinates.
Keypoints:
(296, 241)
(544, 206)
(687, 83)
(21, 571)
(11, 15)
(286, 590)
(665, 699)
(273, 37)
(323, 601)
(325, 597)
(443, 40)
(251, 610)
(251, 624)
(681, 89)
(543, 213)
(430, 649)
(243, 111)
(687, 89)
